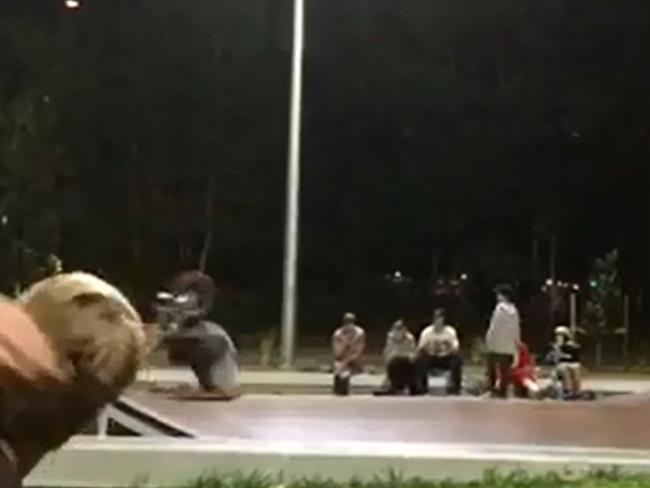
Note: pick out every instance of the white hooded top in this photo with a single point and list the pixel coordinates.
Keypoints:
(504, 332)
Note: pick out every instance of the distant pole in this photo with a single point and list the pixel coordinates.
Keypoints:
(573, 312)
(626, 329)
(293, 192)
(552, 258)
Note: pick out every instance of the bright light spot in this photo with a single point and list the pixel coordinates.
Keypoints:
(549, 282)
(464, 276)
(576, 287)
(4, 220)
(398, 275)
(73, 4)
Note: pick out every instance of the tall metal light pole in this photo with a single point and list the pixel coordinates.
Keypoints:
(293, 191)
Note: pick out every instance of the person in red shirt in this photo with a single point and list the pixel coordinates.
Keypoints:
(522, 374)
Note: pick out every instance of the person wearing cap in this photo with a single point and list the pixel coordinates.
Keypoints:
(399, 353)
(439, 349)
(502, 338)
(348, 344)
(566, 357)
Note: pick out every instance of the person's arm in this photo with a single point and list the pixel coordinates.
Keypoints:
(338, 346)
(358, 347)
(455, 343)
(424, 340)
(389, 347)
(491, 328)
(413, 348)
(516, 335)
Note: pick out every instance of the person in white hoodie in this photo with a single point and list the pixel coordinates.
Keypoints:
(501, 340)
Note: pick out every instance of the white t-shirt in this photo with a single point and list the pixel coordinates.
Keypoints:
(441, 342)
(504, 332)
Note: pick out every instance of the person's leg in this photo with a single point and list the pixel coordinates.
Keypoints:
(421, 367)
(565, 377)
(395, 374)
(574, 370)
(454, 364)
(491, 372)
(534, 390)
(520, 389)
(412, 377)
(504, 363)
(202, 371)
(342, 383)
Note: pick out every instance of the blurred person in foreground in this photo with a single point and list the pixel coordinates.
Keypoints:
(439, 349)
(348, 345)
(502, 339)
(399, 353)
(68, 346)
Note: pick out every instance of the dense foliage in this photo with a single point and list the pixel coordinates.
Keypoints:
(490, 480)
(141, 137)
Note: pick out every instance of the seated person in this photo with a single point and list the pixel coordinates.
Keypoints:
(439, 348)
(399, 353)
(522, 374)
(565, 355)
(348, 344)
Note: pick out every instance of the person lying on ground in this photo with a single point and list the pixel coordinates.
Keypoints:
(439, 349)
(348, 345)
(399, 353)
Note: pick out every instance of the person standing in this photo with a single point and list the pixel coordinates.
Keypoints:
(439, 348)
(502, 339)
(399, 353)
(348, 344)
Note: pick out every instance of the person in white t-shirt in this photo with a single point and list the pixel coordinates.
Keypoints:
(502, 338)
(439, 348)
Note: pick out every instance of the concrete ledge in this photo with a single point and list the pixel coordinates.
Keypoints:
(298, 378)
(102, 463)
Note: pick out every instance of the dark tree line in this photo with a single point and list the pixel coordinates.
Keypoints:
(141, 137)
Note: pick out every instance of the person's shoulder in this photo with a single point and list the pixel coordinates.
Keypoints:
(427, 329)
(359, 330)
(450, 329)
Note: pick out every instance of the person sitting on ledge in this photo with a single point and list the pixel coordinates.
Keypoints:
(565, 355)
(348, 344)
(439, 349)
(399, 353)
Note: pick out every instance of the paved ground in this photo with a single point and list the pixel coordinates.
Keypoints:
(319, 418)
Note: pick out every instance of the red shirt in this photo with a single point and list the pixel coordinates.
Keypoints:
(523, 368)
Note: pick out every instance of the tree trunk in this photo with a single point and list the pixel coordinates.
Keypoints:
(209, 208)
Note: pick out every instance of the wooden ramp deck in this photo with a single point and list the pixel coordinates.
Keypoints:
(316, 419)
